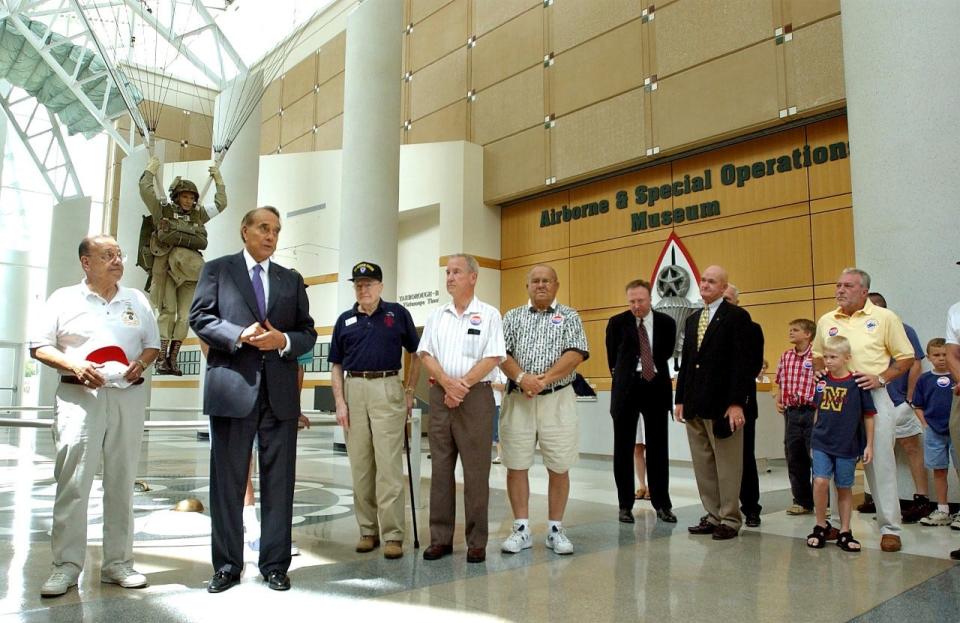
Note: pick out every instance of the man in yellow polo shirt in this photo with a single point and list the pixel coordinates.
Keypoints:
(876, 337)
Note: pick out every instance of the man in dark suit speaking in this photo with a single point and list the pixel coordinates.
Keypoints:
(639, 342)
(713, 390)
(255, 317)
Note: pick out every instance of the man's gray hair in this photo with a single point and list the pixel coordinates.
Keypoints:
(864, 277)
(472, 264)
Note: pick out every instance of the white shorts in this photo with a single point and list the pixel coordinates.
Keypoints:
(908, 424)
(550, 420)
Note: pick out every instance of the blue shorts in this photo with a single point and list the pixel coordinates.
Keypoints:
(836, 467)
(937, 449)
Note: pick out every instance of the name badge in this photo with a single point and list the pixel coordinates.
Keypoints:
(350, 321)
(473, 331)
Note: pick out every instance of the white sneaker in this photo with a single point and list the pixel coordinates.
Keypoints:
(124, 575)
(557, 541)
(294, 550)
(58, 583)
(937, 518)
(956, 522)
(518, 540)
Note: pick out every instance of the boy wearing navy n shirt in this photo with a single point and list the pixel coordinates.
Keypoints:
(844, 417)
(932, 399)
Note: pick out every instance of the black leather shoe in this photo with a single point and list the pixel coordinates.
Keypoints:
(436, 552)
(476, 554)
(278, 580)
(752, 520)
(722, 533)
(704, 527)
(666, 515)
(955, 554)
(626, 516)
(221, 581)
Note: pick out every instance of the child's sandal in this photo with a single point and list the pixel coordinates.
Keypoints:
(846, 542)
(818, 538)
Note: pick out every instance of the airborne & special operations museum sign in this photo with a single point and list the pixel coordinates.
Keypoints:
(728, 174)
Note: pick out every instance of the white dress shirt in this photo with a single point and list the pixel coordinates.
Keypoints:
(265, 278)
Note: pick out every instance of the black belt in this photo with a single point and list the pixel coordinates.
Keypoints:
(801, 407)
(72, 380)
(546, 391)
(372, 375)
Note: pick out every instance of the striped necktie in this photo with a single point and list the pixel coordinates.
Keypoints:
(702, 325)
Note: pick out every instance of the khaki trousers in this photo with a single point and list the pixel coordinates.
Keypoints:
(955, 429)
(378, 413)
(466, 431)
(171, 302)
(718, 468)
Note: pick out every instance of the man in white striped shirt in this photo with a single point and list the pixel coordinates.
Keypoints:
(462, 344)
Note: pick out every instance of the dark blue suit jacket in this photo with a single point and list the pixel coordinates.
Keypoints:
(223, 306)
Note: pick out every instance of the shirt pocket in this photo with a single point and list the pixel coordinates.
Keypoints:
(472, 345)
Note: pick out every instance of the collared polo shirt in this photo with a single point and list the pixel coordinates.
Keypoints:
(77, 321)
(459, 341)
(876, 336)
(952, 334)
(373, 343)
(537, 339)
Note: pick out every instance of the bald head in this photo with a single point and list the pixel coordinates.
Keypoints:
(713, 281)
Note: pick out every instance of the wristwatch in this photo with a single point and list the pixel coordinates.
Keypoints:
(881, 380)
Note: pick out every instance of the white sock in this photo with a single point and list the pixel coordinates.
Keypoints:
(943, 508)
(554, 524)
(521, 523)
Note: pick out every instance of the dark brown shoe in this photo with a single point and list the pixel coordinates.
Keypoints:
(722, 533)
(436, 552)
(704, 527)
(476, 554)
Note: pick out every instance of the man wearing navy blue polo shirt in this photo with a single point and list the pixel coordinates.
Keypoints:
(372, 404)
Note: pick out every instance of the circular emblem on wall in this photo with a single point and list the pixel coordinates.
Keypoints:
(943, 381)
(673, 280)
(475, 320)
(832, 332)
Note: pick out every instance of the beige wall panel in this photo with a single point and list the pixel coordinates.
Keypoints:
(171, 152)
(616, 222)
(330, 135)
(270, 103)
(596, 70)
(447, 124)
(597, 280)
(575, 22)
(330, 99)
(438, 35)
(774, 320)
(520, 231)
(826, 290)
(830, 178)
(770, 297)
(598, 136)
(330, 58)
(199, 129)
(822, 306)
(508, 107)
(829, 204)
(299, 144)
(729, 94)
(832, 242)
(299, 80)
(514, 164)
(756, 193)
(596, 365)
(693, 31)
(420, 9)
(297, 119)
(189, 153)
(171, 124)
(534, 258)
(488, 14)
(513, 285)
(816, 57)
(737, 250)
(802, 12)
(270, 135)
(439, 84)
(509, 49)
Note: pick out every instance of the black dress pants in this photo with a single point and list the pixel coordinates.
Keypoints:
(655, 421)
(750, 481)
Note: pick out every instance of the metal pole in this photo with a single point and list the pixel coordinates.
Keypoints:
(413, 503)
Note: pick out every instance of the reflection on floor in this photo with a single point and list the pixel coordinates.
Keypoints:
(646, 572)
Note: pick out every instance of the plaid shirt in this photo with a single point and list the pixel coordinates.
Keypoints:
(795, 377)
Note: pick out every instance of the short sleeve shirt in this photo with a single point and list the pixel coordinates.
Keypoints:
(934, 394)
(537, 339)
(795, 377)
(897, 388)
(841, 407)
(953, 325)
(876, 336)
(77, 321)
(374, 343)
(459, 341)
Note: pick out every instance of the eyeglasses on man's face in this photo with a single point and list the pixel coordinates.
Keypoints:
(110, 256)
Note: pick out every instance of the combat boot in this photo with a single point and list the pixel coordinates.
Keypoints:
(162, 366)
(172, 358)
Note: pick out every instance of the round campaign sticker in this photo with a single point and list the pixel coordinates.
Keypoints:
(475, 320)
(807, 364)
(821, 385)
(872, 325)
(943, 381)
(832, 332)
(556, 320)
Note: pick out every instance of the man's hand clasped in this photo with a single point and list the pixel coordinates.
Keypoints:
(87, 371)
(263, 337)
(531, 385)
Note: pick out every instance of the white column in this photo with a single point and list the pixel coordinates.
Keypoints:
(371, 144)
(900, 68)
(130, 215)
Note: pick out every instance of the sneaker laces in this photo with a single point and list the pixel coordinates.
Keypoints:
(57, 577)
(558, 535)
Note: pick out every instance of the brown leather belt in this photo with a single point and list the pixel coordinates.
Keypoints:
(372, 375)
(72, 380)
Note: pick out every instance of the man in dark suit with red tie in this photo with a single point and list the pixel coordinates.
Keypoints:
(640, 342)
(255, 317)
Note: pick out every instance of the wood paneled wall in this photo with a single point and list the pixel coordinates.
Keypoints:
(783, 237)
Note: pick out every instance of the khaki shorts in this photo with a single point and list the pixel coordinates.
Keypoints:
(908, 424)
(550, 420)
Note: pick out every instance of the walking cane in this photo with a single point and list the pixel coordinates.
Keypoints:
(413, 502)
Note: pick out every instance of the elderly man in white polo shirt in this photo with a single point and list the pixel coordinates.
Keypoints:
(100, 336)
(461, 345)
(953, 363)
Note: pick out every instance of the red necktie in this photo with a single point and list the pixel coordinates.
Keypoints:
(647, 367)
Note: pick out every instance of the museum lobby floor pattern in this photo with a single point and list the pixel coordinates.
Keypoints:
(649, 571)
